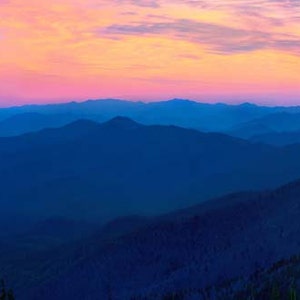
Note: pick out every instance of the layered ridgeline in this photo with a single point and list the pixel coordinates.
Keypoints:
(274, 123)
(243, 120)
(94, 171)
(233, 247)
(31, 121)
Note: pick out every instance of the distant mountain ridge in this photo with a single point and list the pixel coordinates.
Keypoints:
(268, 124)
(32, 121)
(185, 113)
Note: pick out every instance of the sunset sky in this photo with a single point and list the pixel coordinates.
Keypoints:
(57, 50)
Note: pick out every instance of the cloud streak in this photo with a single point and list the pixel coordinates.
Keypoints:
(218, 39)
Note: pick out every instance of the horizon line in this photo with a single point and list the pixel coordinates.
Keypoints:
(54, 102)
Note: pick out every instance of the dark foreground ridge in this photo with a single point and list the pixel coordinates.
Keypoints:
(211, 251)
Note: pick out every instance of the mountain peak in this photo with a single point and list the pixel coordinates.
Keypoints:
(122, 122)
(247, 104)
(181, 101)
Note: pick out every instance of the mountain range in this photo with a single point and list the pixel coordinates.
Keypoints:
(220, 117)
(133, 201)
(100, 171)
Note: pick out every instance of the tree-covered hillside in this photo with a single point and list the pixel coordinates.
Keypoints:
(203, 248)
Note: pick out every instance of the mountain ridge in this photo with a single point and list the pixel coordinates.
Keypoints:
(188, 253)
(111, 168)
(180, 112)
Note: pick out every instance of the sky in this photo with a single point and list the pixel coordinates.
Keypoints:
(235, 50)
